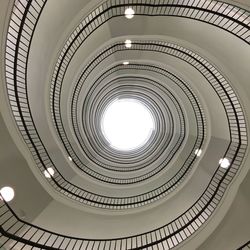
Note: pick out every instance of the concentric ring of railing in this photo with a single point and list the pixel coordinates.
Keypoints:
(192, 99)
(61, 184)
(102, 98)
(66, 143)
(174, 145)
(228, 17)
(77, 122)
(118, 87)
(169, 235)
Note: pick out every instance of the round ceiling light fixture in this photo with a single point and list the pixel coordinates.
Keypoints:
(224, 163)
(198, 152)
(129, 13)
(127, 124)
(7, 193)
(128, 43)
(49, 172)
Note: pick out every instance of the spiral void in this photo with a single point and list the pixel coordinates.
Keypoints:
(131, 116)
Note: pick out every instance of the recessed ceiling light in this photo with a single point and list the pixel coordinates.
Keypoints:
(70, 159)
(224, 163)
(128, 43)
(7, 193)
(129, 13)
(198, 152)
(125, 63)
(49, 172)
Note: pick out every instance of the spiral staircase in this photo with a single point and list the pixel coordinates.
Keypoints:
(65, 65)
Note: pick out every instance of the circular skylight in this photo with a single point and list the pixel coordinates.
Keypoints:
(127, 124)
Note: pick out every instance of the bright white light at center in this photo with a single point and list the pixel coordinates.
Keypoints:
(127, 124)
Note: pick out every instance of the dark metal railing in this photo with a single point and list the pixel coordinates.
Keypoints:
(191, 97)
(174, 147)
(122, 162)
(246, 246)
(194, 9)
(41, 157)
(15, 233)
(60, 184)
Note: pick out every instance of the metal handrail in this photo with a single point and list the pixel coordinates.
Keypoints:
(167, 236)
(246, 246)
